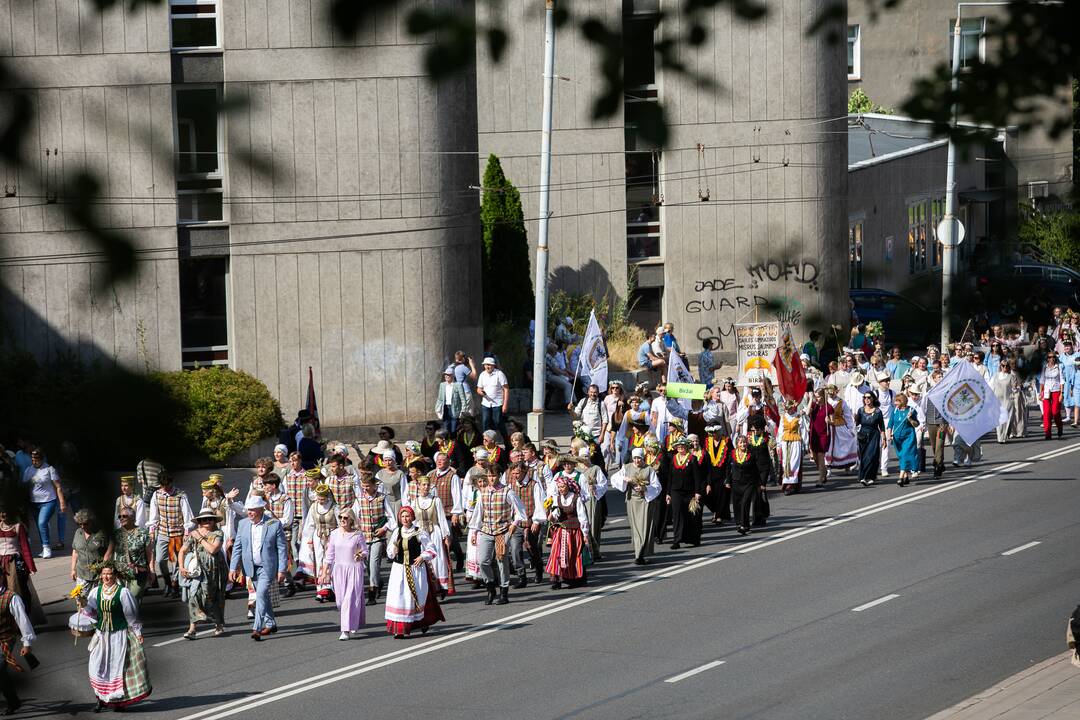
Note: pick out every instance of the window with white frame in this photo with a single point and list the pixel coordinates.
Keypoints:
(854, 48)
(204, 317)
(194, 24)
(917, 235)
(199, 172)
(972, 46)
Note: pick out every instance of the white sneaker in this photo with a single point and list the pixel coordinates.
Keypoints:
(967, 462)
(46, 552)
(251, 614)
(343, 636)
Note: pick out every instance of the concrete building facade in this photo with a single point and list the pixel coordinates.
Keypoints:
(296, 198)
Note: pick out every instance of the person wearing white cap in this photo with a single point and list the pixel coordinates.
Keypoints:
(393, 482)
(450, 401)
(259, 546)
(641, 486)
(494, 391)
(885, 401)
(281, 460)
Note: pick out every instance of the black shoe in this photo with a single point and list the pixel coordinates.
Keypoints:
(743, 530)
(675, 546)
(522, 583)
(490, 594)
(639, 561)
(539, 576)
(13, 706)
(556, 585)
(370, 597)
(99, 707)
(504, 596)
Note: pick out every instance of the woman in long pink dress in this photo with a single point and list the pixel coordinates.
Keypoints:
(346, 553)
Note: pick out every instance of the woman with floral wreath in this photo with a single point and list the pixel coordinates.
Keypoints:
(117, 666)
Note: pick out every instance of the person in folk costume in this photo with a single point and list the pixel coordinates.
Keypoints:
(526, 542)
(410, 604)
(393, 480)
(412, 452)
(415, 468)
(132, 550)
(475, 481)
(843, 451)
(569, 522)
(264, 467)
(675, 432)
(300, 487)
(641, 487)
(818, 415)
(496, 452)
(204, 569)
(16, 559)
(885, 397)
(683, 494)
(341, 481)
(468, 439)
(634, 427)
(319, 523)
(117, 666)
(870, 421)
(759, 446)
(344, 570)
(714, 458)
(170, 517)
(375, 519)
(429, 445)
(497, 515)
(536, 465)
(447, 485)
(747, 472)
(14, 625)
(227, 509)
(446, 443)
(901, 432)
(128, 499)
(794, 438)
(593, 483)
(280, 505)
(431, 517)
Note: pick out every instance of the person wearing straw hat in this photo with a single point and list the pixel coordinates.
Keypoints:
(203, 572)
(319, 523)
(128, 499)
(259, 547)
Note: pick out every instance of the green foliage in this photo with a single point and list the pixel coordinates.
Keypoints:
(1056, 234)
(507, 287)
(860, 102)
(508, 341)
(223, 411)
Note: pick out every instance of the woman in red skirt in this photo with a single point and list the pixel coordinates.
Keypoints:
(569, 526)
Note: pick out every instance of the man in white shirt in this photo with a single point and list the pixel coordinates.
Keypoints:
(260, 547)
(494, 391)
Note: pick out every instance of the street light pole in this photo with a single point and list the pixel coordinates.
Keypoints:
(536, 415)
(949, 240)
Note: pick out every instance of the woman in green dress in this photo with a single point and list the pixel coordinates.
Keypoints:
(204, 571)
(133, 552)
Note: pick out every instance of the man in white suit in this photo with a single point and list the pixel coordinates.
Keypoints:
(260, 545)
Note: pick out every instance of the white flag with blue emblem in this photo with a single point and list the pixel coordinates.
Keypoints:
(592, 358)
(966, 401)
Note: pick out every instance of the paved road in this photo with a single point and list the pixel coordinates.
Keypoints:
(856, 602)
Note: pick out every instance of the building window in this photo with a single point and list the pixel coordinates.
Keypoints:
(199, 175)
(854, 47)
(855, 254)
(917, 234)
(972, 46)
(204, 323)
(643, 205)
(937, 213)
(642, 159)
(194, 24)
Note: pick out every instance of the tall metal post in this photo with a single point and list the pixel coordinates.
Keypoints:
(536, 416)
(950, 240)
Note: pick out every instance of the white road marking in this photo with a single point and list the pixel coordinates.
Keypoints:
(250, 702)
(1049, 454)
(614, 520)
(203, 633)
(695, 671)
(1023, 547)
(874, 603)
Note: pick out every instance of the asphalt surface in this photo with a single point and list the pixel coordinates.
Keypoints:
(879, 602)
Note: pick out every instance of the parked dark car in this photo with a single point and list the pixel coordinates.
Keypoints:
(1027, 288)
(907, 324)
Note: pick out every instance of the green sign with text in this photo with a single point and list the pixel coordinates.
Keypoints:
(685, 391)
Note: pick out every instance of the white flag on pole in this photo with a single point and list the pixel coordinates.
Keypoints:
(592, 357)
(677, 373)
(966, 401)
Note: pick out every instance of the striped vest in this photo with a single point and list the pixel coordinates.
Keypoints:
(9, 630)
(296, 485)
(441, 483)
(496, 510)
(525, 492)
(371, 516)
(171, 517)
(277, 509)
(341, 486)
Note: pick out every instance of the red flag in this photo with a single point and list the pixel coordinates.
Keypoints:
(789, 369)
(312, 406)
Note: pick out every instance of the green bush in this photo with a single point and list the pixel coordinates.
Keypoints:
(223, 411)
(1056, 234)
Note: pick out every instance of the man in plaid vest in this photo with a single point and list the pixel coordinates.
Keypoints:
(498, 514)
(447, 485)
(298, 486)
(342, 482)
(170, 519)
(375, 519)
(528, 539)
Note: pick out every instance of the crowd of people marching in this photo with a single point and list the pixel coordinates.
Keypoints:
(474, 504)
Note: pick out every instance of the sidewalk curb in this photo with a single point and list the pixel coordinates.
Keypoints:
(986, 697)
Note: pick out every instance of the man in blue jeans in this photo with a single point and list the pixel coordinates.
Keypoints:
(494, 392)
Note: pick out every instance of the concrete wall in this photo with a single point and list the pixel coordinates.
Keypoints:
(774, 164)
(909, 42)
(879, 197)
(98, 84)
(587, 232)
(358, 251)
